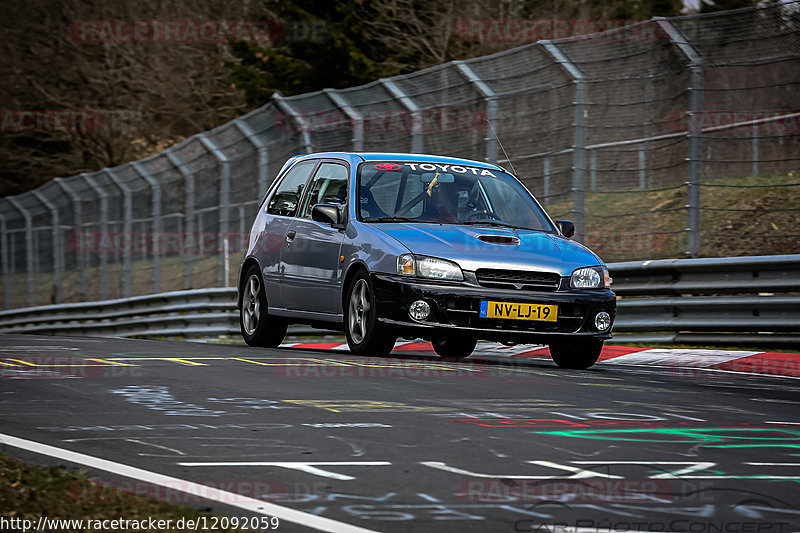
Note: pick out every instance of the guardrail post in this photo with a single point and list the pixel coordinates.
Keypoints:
(188, 253)
(58, 245)
(492, 107)
(80, 255)
(4, 259)
(263, 155)
(579, 126)
(155, 186)
(283, 104)
(354, 116)
(127, 230)
(416, 115)
(695, 159)
(28, 247)
(103, 234)
(224, 200)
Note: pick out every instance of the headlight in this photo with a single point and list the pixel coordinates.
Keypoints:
(590, 278)
(428, 267)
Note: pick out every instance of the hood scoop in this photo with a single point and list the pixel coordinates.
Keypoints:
(508, 240)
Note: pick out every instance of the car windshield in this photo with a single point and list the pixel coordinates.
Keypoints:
(441, 193)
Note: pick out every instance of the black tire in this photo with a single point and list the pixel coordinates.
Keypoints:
(258, 328)
(365, 336)
(454, 347)
(578, 354)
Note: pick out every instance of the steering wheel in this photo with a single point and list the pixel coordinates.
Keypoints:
(483, 215)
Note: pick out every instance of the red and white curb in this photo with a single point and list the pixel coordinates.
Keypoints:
(772, 363)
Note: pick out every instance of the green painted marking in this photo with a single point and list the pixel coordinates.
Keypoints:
(680, 435)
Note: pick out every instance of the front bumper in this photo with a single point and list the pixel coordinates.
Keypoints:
(456, 307)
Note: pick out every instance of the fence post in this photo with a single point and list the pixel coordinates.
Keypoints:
(127, 230)
(188, 216)
(263, 155)
(78, 219)
(4, 259)
(492, 107)
(157, 238)
(28, 247)
(695, 159)
(581, 106)
(546, 165)
(593, 170)
(103, 233)
(354, 116)
(224, 200)
(58, 245)
(755, 150)
(284, 104)
(416, 116)
(642, 175)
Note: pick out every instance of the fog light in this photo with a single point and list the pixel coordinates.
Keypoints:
(602, 321)
(419, 310)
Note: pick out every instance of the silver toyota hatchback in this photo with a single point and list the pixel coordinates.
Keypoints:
(383, 246)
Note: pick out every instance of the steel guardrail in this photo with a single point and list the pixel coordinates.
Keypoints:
(734, 300)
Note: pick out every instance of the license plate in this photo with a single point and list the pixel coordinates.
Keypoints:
(519, 311)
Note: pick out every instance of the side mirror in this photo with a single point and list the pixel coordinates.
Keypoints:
(326, 213)
(566, 227)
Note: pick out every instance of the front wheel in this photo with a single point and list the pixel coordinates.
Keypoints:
(364, 335)
(258, 328)
(578, 354)
(453, 347)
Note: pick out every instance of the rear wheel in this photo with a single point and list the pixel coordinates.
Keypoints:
(578, 354)
(364, 335)
(454, 347)
(258, 327)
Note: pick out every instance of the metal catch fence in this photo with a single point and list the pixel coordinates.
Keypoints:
(644, 135)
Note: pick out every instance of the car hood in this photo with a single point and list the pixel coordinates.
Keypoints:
(544, 252)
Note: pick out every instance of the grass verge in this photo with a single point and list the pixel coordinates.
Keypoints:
(28, 492)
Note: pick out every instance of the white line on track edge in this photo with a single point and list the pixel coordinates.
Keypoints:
(227, 498)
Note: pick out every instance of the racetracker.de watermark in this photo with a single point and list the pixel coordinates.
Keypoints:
(766, 121)
(68, 120)
(65, 367)
(261, 32)
(50, 121)
(178, 492)
(520, 30)
(439, 120)
(164, 242)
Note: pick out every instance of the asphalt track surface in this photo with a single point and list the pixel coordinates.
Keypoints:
(412, 443)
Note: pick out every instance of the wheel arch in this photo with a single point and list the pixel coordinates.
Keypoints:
(354, 268)
(246, 264)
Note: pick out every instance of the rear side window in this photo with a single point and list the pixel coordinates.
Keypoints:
(287, 196)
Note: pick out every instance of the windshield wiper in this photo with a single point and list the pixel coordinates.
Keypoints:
(395, 219)
(492, 223)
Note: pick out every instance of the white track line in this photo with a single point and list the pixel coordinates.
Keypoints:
(228, 498)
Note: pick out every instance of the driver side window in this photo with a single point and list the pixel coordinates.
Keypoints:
(328, 187)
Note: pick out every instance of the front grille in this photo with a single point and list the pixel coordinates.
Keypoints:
(518, 279)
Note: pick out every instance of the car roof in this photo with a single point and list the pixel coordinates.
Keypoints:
(419, 158)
